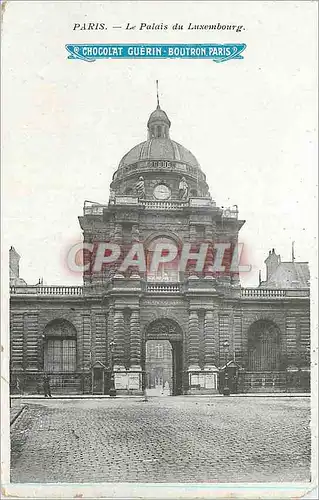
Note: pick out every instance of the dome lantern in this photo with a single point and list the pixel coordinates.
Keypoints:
(158, 123)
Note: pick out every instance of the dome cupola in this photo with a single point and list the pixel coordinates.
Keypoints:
(158, 124)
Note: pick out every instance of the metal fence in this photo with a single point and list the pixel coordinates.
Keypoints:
(60, 383)
(280, 381)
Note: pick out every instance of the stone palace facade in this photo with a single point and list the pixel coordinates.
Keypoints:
(79, 335)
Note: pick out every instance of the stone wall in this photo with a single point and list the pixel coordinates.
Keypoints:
(206, 321)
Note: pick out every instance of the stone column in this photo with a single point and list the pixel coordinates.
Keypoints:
(109, 332)
(208, 271)
(135, 233)
(192, 233)
(118, 337)
(210, 370)
(118, 233)
(209, 343)
(16, 341)
(135, 340)
(193, 341)
(135, 373)
(234, 263)
(111, 228)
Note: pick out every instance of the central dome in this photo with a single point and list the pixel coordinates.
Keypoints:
(160, 148)
(159, 159)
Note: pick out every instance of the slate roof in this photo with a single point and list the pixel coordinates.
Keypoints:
(289, 275)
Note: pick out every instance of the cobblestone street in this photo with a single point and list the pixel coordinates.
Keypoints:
(181, 439)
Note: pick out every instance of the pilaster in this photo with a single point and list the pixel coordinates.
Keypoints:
(135, 340)
(193, 341)
(209, 341)
(118, 355)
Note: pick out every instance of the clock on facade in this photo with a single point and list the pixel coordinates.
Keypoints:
(162, 192)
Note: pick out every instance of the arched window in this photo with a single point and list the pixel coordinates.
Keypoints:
(59, 347)
(263, 346)
(129, 191)
(193, 192)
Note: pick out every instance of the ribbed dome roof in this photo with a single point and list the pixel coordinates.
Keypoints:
(162, 148)
(158, 116)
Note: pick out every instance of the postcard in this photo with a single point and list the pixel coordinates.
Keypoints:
(159, 308)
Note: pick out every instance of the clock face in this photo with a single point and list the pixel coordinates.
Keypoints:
(162, 192)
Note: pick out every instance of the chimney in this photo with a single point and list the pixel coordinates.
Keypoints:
(272, 262)
(14, 259)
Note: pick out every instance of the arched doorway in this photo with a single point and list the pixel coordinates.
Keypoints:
(263, 346)
(60, 347)
(60, 356)
(163, 358)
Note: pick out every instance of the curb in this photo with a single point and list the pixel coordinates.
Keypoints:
(194, 396)
(13, 419)
(70, 397)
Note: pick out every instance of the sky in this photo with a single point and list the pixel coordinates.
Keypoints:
(251, 123)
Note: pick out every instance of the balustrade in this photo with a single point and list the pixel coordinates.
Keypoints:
(163, 287)
(97, 209)
(267, 293)
(46, 290)
(93, 208)
(230, 213)
(163, 205)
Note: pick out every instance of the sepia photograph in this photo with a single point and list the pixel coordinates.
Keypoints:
(159, 241)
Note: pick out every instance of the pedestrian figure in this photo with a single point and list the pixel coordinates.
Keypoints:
(46, 386)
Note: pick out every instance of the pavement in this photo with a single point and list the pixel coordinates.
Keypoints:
(167, 439)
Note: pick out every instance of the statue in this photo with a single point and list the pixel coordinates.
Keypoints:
(166, 390)
(140, 187)
(183, 189)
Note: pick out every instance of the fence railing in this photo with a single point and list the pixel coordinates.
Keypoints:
(60, 383)
(283, 381)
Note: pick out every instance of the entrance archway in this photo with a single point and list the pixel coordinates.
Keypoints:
(163, 358)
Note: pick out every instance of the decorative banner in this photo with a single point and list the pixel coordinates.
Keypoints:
(216, 52)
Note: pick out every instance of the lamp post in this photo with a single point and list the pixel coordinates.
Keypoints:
(226, 390)
(112, 391)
